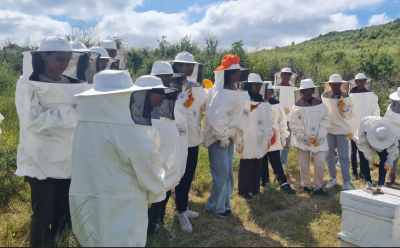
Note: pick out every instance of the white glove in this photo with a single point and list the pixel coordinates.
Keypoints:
(239, 148)
(305, 140)
(388, 164)
(320, 139)
(283, 143)
(224, 143)
(183, 96)
(346, 109)
(74, 105)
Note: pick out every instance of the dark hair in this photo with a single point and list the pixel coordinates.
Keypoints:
(49, 52)
(174, 66)
(226, 76)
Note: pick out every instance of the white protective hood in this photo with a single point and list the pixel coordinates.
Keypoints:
(109, 207)
(47, 120)
(393, 118)
(364, 104)
(340, 122)
(226, 113)
(287, 96)
(310, 121)
(258, 132)
(194, 112)
(279, 126)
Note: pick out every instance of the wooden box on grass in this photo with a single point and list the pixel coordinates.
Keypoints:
(370, 220)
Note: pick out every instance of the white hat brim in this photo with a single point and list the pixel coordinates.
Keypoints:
(184, 61)
(394, 96)
(378, 143)
(300, 88)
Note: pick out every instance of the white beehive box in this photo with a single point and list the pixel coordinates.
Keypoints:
(370, 220)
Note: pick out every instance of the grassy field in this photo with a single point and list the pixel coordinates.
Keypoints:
(270, 219)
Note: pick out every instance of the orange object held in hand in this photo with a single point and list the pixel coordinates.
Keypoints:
(240, 151)
(191, 99)
(273, 139)
(149, 206)
(287, 111)
(313, 141)
(350, 136)
(253, 107)
(207, 83)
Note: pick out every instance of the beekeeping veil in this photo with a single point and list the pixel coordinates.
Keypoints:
(119, 61)
(336, 79)
(278, 78)
(299, 93)
(267, 86)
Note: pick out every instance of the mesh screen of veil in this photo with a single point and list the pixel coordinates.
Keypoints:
(167, 107)
(177, 82)
(197, 75)
(395, 106)
(300, 101)
(140, 107)
(368, 84)
(275, 92)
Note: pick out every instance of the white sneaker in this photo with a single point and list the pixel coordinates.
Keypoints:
(369, 184)
(348, 186)
(284, 166)
(191, 214)
(185, 223)
(332, 182)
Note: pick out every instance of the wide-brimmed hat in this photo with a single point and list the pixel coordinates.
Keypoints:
(79, 46)
(184, 57)
(108, 44)
(307, 84)
(161, 68)
(381, 134)
(229, 62)
(254, 78)
(103, 52)
(112, 82)
(396, 95)
(150, 81)
(55, 44)
(336, 78)
(287, 70)
(360, 76)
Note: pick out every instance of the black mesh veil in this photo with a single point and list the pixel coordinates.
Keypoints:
(167, 107)
(264, 91)
(177, 82)
(368, 84)
(300, 101)
(395, 106)
(140, 107)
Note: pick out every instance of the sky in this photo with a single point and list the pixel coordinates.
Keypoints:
(269, 23)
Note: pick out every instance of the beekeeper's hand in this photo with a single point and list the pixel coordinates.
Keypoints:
(287, 111)
(253, 107)
(320, 139)
(344, 107)
(388, 164)
(306, 140)
(283, 143)
(239, 147)
(350, 136)
(373, 164)
(183, 96)
(191, 99)
(224, 143)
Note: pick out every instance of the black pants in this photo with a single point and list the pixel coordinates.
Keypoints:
(365, 170)
(275, 159)
(354, 150)
(249, 176)
(157, 213)
(50, 205)
(183, 188)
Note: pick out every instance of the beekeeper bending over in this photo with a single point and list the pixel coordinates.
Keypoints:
(393, 116)
(376, 133)
(309, 121)
(340, 107)
(116, 145)
(46, 108)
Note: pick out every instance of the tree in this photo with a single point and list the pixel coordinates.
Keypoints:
(87, 34)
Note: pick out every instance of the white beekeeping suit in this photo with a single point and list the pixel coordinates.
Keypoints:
(117, 170)
(258, 132)
(1, 119)
(365, 103)
(287, 91)
(180, 113)
(164, 122)
(47, 112)
(279, 121)
(227, 113)
(119, 57)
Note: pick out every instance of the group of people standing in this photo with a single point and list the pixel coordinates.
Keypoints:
(103, 155)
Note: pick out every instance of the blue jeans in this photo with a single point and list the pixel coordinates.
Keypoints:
(341, 143)
(285, 151)
(221, 166)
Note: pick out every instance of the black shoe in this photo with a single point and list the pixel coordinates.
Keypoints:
(320, 192)
(246, 196)
(288, 189)
(229, 212)
(223, 215)
(263, 184)
(361, 176)
(307, 190)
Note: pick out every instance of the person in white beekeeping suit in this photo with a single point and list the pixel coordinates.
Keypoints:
(119, 57)
(285, 81)
(340, 107)
(92, 65)
(365, 103)
(103, 61)
(46, 107)
(227, 112)
(278, 141)
(1, 120)
(309, 121)
(164, 122)
(192, 71)
(115, 144)
(163, 70)
(393, 116)
(376, 133)
(256, 138)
